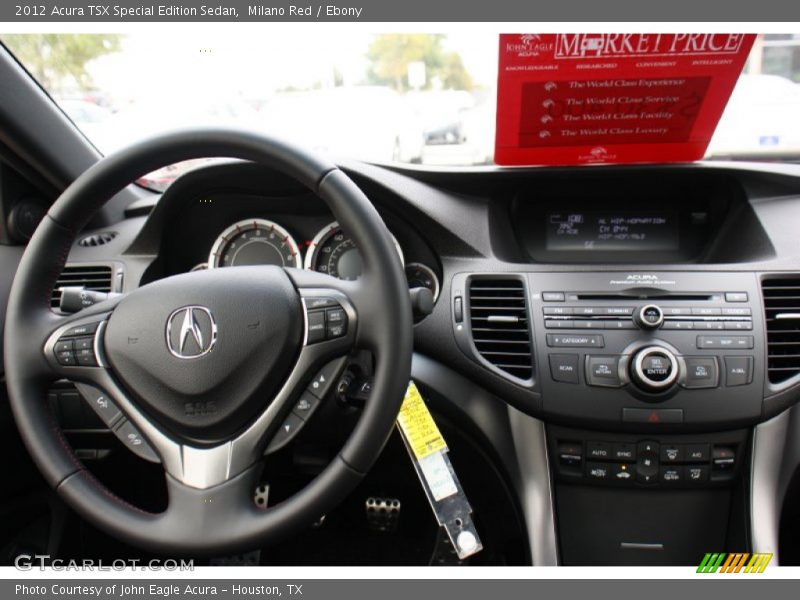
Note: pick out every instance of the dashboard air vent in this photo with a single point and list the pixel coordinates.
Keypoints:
(782, 311)
(500, 326)
(97, 239)
(94, 277)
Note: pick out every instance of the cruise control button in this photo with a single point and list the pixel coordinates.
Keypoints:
(701, 372)
(738, 370)
(564, 367)
(316, 326)
(603, 371)
(314, 303)
(335, 330)
(336, 315)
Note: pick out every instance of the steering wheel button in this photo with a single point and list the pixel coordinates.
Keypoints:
(66, 358)
(314, 303)
(306, 405)
(63, 346)
(133, 441)
(316, 326)
(100, 403)
(86, 358)
(286, 432)
(85, 329)
(336, 315)
(335, 331)
(326, 378)
(84, 343)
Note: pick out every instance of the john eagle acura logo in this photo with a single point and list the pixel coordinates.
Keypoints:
(191, 332)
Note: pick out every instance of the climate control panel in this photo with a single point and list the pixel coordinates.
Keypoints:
(675, 461)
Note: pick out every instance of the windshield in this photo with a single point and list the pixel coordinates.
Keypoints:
(428, 99)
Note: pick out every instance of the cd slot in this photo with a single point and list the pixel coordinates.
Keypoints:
(640, 295)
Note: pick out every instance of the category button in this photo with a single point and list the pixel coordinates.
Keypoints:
(558, 340)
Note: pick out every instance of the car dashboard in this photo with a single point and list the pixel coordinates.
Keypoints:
(617, 337)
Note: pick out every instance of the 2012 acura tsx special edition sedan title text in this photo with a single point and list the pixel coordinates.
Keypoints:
(207, 358)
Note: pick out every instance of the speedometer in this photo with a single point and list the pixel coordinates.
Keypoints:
(254, 242)
(333, 252)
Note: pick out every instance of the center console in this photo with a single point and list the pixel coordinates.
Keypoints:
(650, 383)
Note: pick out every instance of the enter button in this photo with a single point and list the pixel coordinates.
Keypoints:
(738, 370)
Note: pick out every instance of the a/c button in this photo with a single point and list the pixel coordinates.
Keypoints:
(564, 367)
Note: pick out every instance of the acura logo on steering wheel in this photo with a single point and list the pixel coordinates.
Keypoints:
(191, 332)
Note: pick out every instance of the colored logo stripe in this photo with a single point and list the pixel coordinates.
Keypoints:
(734, 562)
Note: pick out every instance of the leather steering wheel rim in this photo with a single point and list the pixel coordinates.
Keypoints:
(220, 518)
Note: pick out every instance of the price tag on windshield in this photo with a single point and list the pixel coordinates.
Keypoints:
(566, 99)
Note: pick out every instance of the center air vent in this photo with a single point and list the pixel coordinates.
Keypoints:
(500, 327)
(97, 239)
(782, 310)
(94, 277)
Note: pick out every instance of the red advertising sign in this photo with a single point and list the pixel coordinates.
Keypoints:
(565, 99)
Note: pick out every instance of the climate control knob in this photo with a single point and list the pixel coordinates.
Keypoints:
(654, 369)
(649, 316)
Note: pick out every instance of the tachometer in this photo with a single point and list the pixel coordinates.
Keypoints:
(419, 275)
(254, 242)
(335, 253)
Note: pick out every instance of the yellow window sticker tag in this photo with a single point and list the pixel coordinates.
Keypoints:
(418, 425)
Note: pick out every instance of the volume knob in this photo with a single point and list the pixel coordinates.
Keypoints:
(649, 316)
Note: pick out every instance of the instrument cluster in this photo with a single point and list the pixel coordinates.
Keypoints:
(260, 241)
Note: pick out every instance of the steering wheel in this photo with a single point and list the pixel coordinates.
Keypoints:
(207, 365)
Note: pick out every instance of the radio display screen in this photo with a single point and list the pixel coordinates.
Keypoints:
(619, 231)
